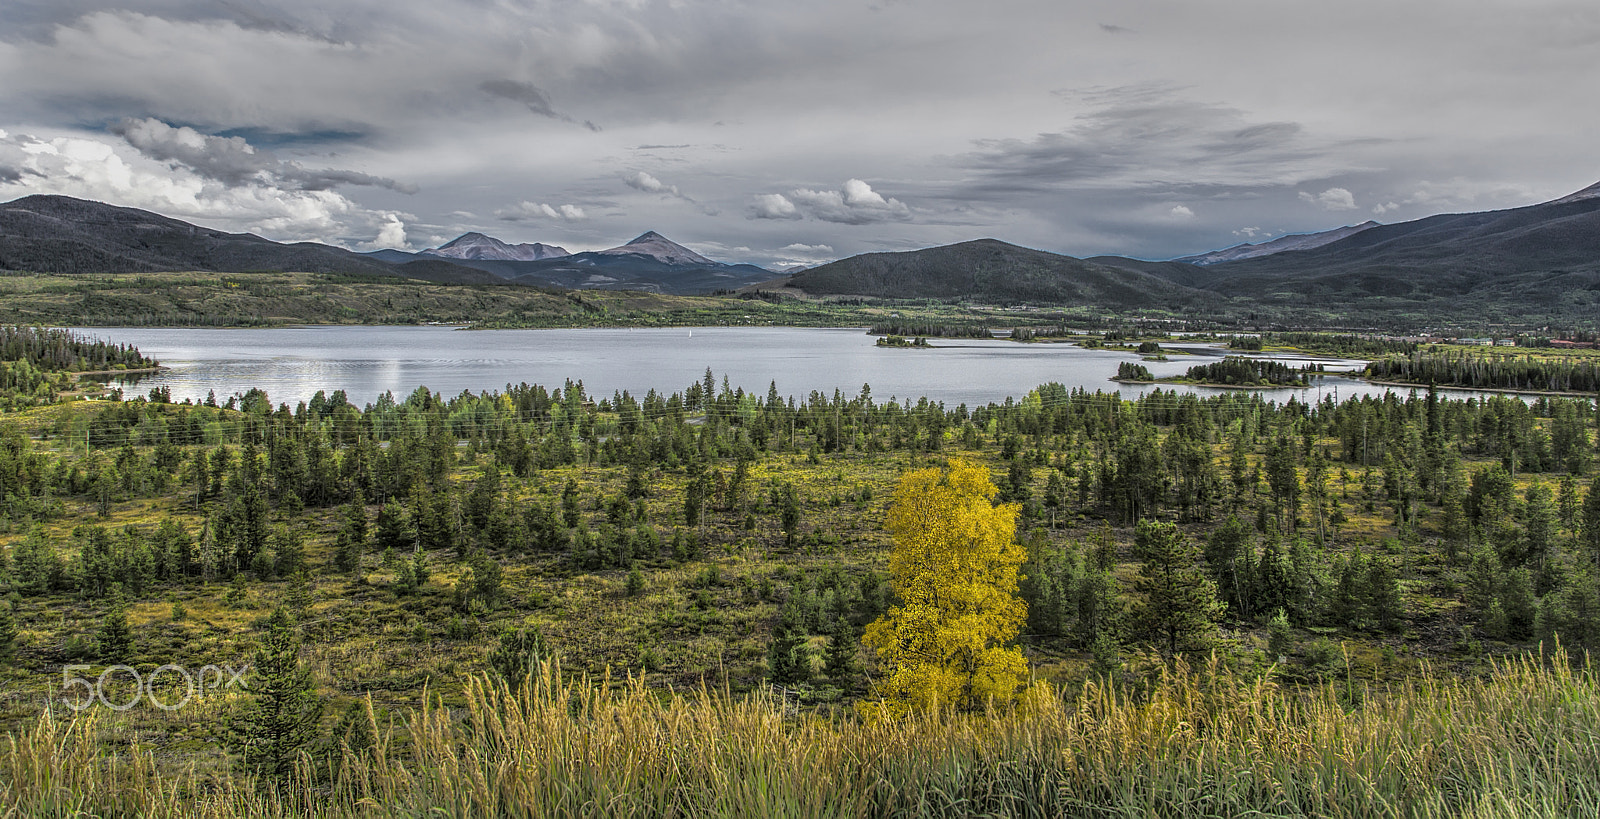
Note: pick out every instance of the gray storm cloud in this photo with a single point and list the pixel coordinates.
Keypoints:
(234, 162)
(1143, 141)
(531, 96)
(1223, 111)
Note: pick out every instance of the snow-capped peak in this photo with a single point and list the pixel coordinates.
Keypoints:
(1591, 192)
(478, 246)
(1294, 241)
(660, 248)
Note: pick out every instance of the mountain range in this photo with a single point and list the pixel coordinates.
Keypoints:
(479, 246)
(650, 262)
(1534, 264)
(61, 234)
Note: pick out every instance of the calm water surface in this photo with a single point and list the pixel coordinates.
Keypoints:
(292, 364)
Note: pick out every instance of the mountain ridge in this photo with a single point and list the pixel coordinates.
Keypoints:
(997, 271)
(649, 262)
(475, 245)
(63, 234)
(1534, 263)
(1282, 244)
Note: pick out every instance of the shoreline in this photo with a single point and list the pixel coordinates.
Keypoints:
(160, 368)
(1158, 382)
(1555, 393)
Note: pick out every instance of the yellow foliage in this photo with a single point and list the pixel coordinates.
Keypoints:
(955, 566)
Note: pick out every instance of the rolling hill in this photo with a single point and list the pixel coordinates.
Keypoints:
(1551, 244)
(1532, 265)
(60, 234)
(993, 271)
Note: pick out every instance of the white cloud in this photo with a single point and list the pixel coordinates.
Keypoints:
(773, 206)
(1252, 232)
(1181, 212)
(798, 249)
(1331, 199)
(855, 203)
(1384, 207)
(524, 211)
(391, 235)
(90, 168)
(234, 161)
(639, 180)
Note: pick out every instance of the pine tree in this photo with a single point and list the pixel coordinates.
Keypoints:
(1517, 602)
(839, 663)
(393, 531)
(36, 566)
(8, 634)
(1099, 609)
(351, 542)
(1273, 581)
(289, 551)
(1180, 609)
(1573, 613)
(114, 640)
(1382, 592)
(1591, 522)
(518, 654)
(285, 708)
(301, 594)
(419, 569)
(788, 655)
(789, 506)
(1349, 606)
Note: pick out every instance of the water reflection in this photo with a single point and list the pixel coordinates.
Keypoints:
(291, 364)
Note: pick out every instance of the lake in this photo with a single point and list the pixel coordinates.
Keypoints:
(292, 364)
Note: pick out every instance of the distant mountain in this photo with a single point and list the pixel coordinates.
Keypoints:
(1538, 264)
(1296, 241)
(60, 234)
(1591, 192)
(653, 245)
(650, 262)
(479, 246)
(1540, 259)
(992, 271)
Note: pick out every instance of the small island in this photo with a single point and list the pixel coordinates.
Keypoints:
(902, 341)
(1233, 371)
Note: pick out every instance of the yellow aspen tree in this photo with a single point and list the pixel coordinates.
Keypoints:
(955, 566)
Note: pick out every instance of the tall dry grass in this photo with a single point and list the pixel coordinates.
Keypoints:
(1197, 742)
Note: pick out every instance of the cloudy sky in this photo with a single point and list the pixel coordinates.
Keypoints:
(780, 132)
